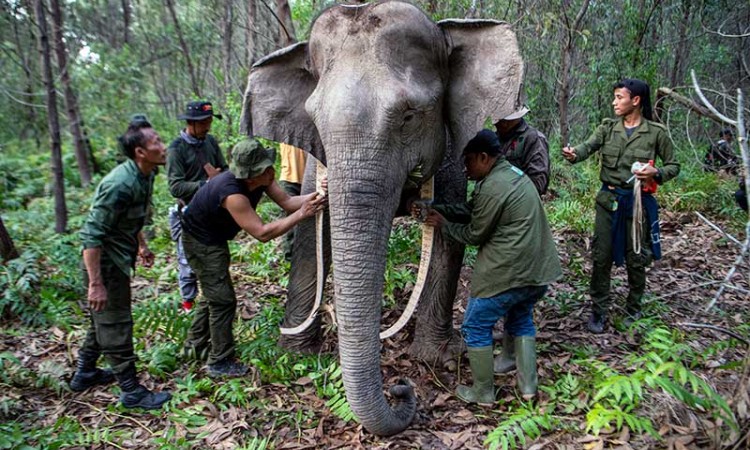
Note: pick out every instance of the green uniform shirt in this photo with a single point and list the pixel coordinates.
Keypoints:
(117, 215)
(505, 218)
(185, 172)
(619, 152)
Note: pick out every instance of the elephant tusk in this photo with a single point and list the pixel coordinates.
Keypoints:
(428, 235)
(321, 172)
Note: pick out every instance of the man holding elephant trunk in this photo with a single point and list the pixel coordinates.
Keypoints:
(516, 261)
(218, 211)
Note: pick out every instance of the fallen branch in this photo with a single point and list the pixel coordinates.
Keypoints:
(716, 328)
(717, 228)
(688, 103)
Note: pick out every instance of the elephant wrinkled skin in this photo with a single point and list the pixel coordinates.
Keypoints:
(379, 91)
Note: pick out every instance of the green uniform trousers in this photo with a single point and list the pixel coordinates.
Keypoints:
(111, 331)
(602, 258)
(215, 311)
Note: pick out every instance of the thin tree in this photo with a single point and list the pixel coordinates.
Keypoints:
(570, 32)
(284, 14)
(71, 100)
(250, 33)
(7, 248)
(227, 20)
(61, 210)
(185, 48)
(126, 12)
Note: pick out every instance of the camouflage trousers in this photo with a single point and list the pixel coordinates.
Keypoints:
(111, 330)
(636, 264)
(216, 307)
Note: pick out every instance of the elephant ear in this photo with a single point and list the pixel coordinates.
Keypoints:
(486, 73)
(274, 103)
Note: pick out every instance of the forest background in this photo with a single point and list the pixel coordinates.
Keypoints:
(75, 71)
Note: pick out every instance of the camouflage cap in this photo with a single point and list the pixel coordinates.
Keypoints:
(250, 159)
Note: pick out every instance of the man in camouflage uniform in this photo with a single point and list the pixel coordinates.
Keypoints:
(631, 137)
(192, 159)
(111, 239)
(525, 147)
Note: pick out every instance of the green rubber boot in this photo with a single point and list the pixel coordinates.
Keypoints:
(506, 361)
(483, 391)
(526, 362)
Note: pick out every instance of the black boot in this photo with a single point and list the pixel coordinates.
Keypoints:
(134, 395)
(596, 322)
(88, 375)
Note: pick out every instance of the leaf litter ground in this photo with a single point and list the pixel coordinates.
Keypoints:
(295, 417)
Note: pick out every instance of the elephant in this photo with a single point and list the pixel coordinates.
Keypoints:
(378, 94)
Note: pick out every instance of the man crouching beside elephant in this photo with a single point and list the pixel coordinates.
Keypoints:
(516, 261)
(218, 211)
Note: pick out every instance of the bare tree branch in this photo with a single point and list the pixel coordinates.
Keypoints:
(708, 104)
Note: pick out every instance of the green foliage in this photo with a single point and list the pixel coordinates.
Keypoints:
(526, 422)
(333, 388)
(237, 392)
(661, 368)
(19, 281)
(567, 392)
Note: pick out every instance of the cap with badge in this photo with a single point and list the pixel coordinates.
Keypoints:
(198, 110)
(250, 159)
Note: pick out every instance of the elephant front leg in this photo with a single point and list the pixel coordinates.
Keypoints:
(303, 279)
(435, 339)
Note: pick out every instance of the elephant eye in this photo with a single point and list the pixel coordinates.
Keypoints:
(408, 116)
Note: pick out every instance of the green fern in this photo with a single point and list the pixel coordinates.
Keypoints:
(19, 283)
(601, 417)
(513, 431)
(330, 384)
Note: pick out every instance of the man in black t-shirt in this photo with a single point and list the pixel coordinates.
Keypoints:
(218, 211)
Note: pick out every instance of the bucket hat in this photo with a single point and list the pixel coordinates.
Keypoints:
(250, 159)
(198, 110)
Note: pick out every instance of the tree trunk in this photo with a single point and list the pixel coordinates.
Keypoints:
(185, 49)
(25, 61)
(126, 11)
(250, 33)
(227, 50)
(567, 56)
(284, 14)
(71, 101)
(682, 50)
(61, 211)
(7, 248)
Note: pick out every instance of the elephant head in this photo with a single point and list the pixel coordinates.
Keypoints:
(372, 95)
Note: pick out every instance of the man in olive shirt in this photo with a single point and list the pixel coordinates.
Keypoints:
(525, 147)
(632, 137)
(516, 261)
(112, 238)
(192, 159)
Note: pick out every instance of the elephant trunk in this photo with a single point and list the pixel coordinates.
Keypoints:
(362, 204)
